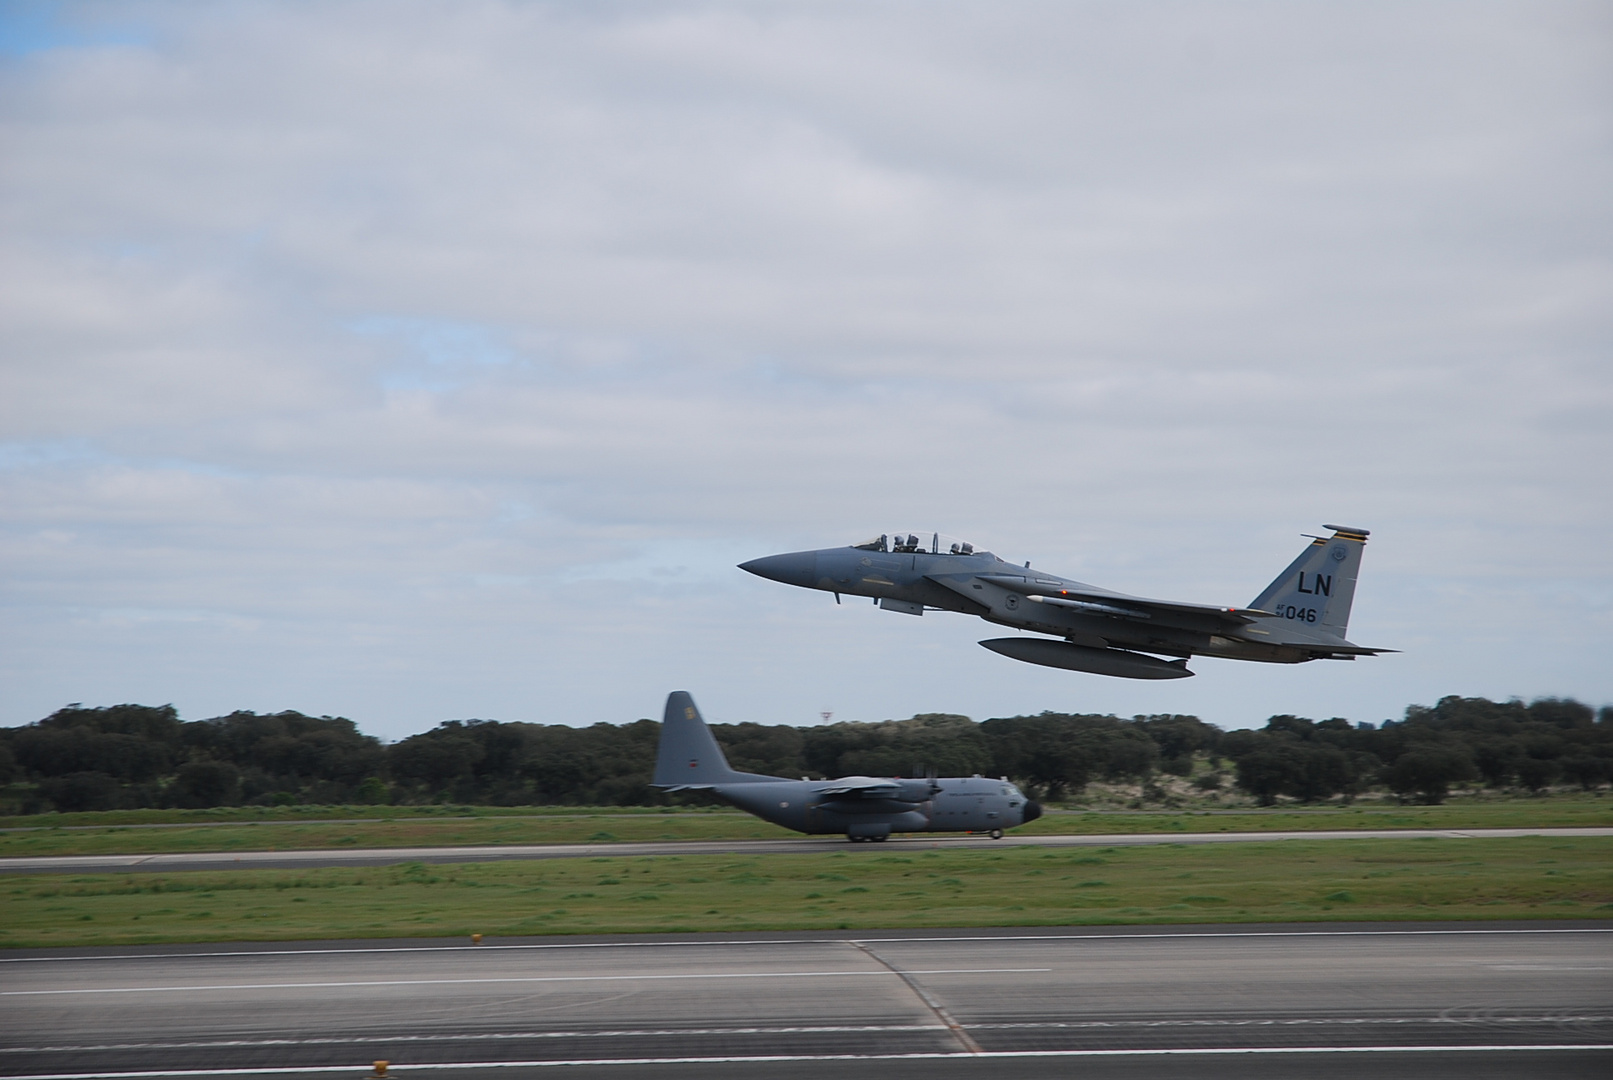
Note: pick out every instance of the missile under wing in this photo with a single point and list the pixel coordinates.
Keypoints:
(1301, 616)
(861, 807)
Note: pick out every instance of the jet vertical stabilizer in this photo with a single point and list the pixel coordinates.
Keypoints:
(1317, 588)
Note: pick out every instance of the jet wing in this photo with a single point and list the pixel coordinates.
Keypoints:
(1089, 599)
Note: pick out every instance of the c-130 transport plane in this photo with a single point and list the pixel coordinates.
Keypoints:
(862, 807)
(1301, 616)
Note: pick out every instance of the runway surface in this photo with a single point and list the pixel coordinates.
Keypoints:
(1468, 1000)
(242, 860)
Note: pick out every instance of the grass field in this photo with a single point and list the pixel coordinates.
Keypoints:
(863, 887)
(603, 827)
(82, 834)
(240, 814)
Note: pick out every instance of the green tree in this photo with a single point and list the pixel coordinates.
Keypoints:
(204, 783)
(81, 791)
(1427, 774)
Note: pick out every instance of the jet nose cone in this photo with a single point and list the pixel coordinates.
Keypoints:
(796, 568)
(1033, 810)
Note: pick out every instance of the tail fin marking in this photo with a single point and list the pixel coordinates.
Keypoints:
(1318, 587)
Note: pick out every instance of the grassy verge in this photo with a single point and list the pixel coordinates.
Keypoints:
(574, 826)
(538, 829)
(1557, 811)
(220, 815)
(868, 887)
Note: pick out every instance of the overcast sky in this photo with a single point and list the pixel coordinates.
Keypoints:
(416, 361)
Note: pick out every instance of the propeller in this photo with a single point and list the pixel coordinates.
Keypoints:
(924, 772)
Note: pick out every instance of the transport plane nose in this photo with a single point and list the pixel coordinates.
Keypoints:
(796, 568)
(1033, 810)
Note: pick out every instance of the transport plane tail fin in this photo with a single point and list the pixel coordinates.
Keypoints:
(1317, 587)
(689, 756)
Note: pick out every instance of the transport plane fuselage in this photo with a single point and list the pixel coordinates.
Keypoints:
(861, 807)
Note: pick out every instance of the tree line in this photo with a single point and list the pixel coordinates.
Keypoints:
(129, 756)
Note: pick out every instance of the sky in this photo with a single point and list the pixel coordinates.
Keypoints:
(412, 361)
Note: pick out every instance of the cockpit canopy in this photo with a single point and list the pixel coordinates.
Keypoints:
(905, 541)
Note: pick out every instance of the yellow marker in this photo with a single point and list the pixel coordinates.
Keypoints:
(380, 1068)
(476, 939)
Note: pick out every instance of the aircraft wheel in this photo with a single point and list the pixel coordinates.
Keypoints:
(880, 839)
(996, 834)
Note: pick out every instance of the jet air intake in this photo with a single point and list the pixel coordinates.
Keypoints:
(1061, 654)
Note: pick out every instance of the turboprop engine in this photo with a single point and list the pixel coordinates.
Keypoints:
(915, 791)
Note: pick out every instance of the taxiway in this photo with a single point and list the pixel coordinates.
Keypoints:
(246, 860)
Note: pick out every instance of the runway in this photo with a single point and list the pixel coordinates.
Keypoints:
(243, 860)
(1469, 1000)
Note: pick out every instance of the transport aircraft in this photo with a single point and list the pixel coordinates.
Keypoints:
(862, 807)
(1301, 616)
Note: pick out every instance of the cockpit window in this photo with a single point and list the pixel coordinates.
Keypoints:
(917, 543)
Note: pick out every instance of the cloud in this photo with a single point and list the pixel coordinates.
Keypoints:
(416, 360)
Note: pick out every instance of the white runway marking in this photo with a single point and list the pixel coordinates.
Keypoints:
(516, 979)
(1546, 967)
(486, 1036)
(765, 1059)
(862, 1029)
(789, 941)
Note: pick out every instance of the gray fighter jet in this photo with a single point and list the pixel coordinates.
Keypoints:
(1301, 616)
(862, 807)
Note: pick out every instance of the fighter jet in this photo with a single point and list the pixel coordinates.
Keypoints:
(1301, 616)
(862, 807)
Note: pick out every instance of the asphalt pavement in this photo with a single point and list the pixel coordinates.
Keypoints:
(1468, 1000)
(244, 860)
